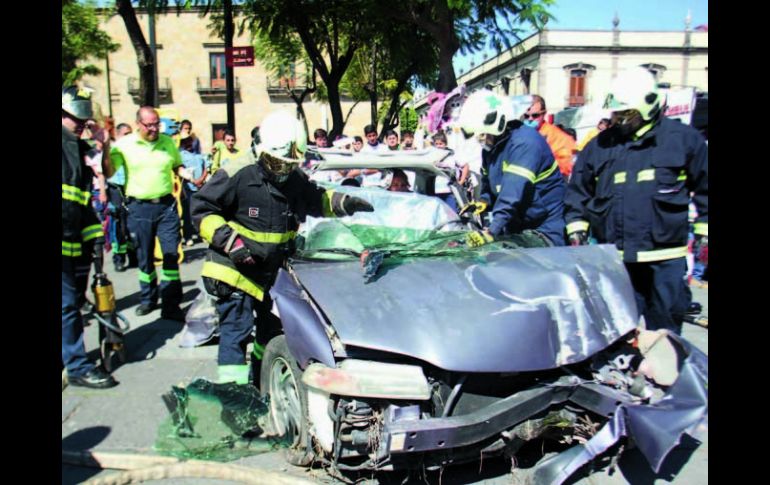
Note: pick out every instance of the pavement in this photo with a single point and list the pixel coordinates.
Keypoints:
(125, 419)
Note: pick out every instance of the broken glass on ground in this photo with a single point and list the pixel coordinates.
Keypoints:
(210, 421)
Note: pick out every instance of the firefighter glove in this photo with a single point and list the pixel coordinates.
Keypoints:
(476, 207)
(238, 252)
(578, 238)
(476, 239)
(347, 205)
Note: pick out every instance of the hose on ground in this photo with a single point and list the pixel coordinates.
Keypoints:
(141, 468)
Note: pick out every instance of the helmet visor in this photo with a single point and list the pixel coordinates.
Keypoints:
(278, 165)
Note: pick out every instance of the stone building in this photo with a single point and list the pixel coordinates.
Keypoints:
(191, 78)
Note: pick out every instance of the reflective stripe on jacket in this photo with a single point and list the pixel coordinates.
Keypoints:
(521, 180)
(79, 221)
(239, 198)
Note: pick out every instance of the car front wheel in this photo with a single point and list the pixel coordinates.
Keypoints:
(281, 378)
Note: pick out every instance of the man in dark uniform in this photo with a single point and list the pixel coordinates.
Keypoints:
(82, 236)
(631, 187)
(249, 213)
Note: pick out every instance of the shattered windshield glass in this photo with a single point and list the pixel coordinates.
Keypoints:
(210, 421)
(403, 225)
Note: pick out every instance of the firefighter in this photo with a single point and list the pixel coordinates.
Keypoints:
(82, 236)
(249, 213)
(519, 178)
(631, 187)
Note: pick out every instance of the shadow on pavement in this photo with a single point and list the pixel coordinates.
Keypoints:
(142, 343)
(635, 468)
(123, 302)
(82, 440)
(637, 471)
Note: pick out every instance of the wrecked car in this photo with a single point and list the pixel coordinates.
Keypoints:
(401, 347)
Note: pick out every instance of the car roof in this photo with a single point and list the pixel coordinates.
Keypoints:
(416, 160)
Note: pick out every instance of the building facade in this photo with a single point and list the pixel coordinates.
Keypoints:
(191, 79)
(572, 68)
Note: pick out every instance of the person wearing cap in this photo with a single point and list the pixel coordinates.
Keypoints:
(82, 237)
(249, 213)
(151, 159)
(520, 179)
(631, 187)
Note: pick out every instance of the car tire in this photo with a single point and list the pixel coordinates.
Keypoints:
(281, 378)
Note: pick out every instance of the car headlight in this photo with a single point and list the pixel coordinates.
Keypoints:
(364, 378)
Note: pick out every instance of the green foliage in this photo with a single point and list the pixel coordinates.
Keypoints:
(81, 40)
(409, 119)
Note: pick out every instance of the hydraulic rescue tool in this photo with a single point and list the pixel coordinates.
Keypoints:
(113, 325)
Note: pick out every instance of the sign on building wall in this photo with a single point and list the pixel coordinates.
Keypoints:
(239, 56)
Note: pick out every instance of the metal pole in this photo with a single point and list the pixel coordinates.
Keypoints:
(109, 91)
(228, 4)
(154, 50)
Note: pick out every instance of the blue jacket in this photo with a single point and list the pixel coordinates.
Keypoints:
(635, 194)
(522, 182)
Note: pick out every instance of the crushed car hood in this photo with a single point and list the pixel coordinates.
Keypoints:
(505, 311)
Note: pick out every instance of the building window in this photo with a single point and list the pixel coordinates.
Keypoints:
(218, 70)
(577, 87)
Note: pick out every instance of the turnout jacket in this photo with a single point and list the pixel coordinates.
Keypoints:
(239, 200)
(79, 222)
(635, 193)
(520, 178)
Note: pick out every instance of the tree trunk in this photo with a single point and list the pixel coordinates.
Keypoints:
(446, 76)
(338, 120)
(144, 56)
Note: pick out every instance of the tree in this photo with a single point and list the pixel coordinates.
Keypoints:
(465, 25)
(145, 58)
(330, 32)
(277, 56)
(81, 39)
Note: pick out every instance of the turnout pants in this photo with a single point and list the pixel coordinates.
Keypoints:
(236, 311)
(146, 220)
(236, 322)
(661, 291)
(74, 280)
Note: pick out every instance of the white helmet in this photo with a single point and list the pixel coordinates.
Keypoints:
(636, 89)
(485, 112)
(282, 142)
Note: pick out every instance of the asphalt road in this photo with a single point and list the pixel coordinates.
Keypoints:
(125, 419)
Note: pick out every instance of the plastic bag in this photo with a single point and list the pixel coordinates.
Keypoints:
(201, 321)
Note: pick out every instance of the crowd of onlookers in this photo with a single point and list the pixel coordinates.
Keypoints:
(200, 165)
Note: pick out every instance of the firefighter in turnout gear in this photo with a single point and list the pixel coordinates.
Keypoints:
(520, 180)
(249, 213)
(82, 236)
(631, 187)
